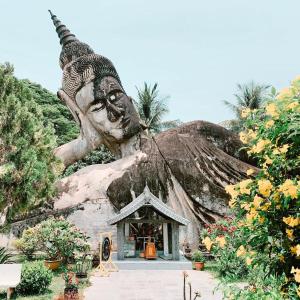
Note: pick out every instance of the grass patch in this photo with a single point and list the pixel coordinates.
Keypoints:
(55, 289)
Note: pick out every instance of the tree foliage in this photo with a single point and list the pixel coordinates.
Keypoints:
(152, 108)
(54, 113)
(99, 156)
(27, 164)
(249, 96)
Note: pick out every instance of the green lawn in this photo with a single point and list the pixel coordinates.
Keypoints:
(56, 288)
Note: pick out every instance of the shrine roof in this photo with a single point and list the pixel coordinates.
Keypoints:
(150, 200)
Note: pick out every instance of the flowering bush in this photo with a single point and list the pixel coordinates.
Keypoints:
(221, 239)
(28, 243)
(57, 237)
(268, 203)
(60, 238)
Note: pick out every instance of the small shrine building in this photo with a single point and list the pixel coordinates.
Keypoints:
(144, 222)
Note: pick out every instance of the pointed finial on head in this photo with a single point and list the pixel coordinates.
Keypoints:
(63, 32)
(51, 14)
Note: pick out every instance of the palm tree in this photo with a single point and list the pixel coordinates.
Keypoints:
(152, 108)
(250, 96)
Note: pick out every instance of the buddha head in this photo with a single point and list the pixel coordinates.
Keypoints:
(92, 82)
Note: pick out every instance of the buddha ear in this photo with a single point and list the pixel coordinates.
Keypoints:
(131, 99)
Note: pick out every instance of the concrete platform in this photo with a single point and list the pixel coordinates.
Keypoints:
(153, 265)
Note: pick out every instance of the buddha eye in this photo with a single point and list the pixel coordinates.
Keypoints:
(114, 96)
(98, 104)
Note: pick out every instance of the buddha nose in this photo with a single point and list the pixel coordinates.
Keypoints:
(115, 110)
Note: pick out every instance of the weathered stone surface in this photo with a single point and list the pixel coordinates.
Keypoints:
(187, 166)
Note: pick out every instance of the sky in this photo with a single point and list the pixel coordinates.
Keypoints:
(197, 51)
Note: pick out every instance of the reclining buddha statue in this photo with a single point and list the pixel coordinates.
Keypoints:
(188, 166)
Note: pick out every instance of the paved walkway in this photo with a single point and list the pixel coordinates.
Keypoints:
(151, 285)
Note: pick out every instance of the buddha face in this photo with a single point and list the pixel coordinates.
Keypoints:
(109, 109)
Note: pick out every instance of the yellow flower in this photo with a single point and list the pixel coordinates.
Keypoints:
(270, 123)
(241, 251)
(281, 258)
(250, 172)
(208, 243)
(285, 93)
(243, 137)
(284, 148)
(292, 105)
(293, 250)
(243, 186)
(252, 134)
(266, 206)
(257, 201)
(288, 189)
(265, 187)
(271, 110)
(296, 273)
(251, 215)
(245, 112)
(290, 234)
(249, 261)
(232, 203)
(260, 146)
(291, 221)
(221, 241)
(268, 160)
(296, 80)
(230, 189)
(298, 250)
(245, 206)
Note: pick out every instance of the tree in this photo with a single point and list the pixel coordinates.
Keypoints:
(249, 96)
(152, 108)
(54, 112)
(28, 167)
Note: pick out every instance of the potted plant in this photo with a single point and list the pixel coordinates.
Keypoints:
(53, 260)
(83, 263)
(199, 260)
(71, 286)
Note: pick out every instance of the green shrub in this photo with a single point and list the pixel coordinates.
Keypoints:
(35, 278)
(222, 239)
(260, 287)
(230, 266)
(28, 243)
